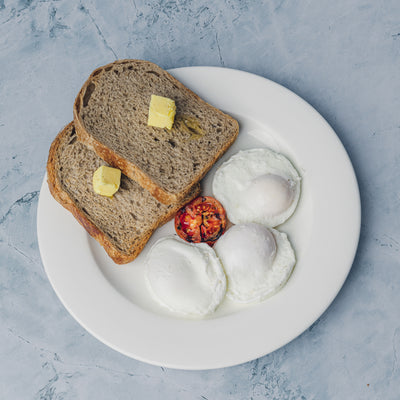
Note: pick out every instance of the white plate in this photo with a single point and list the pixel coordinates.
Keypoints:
(112, 302)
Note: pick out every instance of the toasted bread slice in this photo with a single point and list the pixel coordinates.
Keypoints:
(122, 224)
(111, 113)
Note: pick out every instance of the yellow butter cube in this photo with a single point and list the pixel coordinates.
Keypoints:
(162, 112)
(106, 180)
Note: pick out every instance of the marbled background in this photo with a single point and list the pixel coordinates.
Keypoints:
(342, 56)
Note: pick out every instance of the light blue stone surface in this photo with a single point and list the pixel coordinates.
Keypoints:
(341, 56)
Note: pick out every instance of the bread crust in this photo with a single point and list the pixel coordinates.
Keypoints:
(68, 203)
(128, 168)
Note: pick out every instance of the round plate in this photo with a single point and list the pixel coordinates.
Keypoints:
(112, 301)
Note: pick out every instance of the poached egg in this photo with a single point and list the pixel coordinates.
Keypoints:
(186, 278)
(257, 261)
(257, 185)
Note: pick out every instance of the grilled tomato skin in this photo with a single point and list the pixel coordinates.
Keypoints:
(201, 220)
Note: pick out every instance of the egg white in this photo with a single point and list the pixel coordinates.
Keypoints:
(252, 274)
(242, 185)
(186, 278)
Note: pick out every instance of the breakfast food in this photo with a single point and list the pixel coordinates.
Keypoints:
(161, 112)
(257, 261)
(257, 185)
(111, 115)
(122, 224)
(133, 158)
(201, 220)
(106, 180)
(186, 278)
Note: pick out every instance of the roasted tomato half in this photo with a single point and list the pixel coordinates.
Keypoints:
(201, 220)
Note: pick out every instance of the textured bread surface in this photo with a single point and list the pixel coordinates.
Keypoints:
(111, 112)
(122, 224)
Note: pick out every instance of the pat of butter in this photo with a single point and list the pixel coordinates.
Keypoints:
(106, 180)
(161, 112)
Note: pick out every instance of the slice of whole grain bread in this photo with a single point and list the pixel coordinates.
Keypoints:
(111, 112)
(122, 224)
